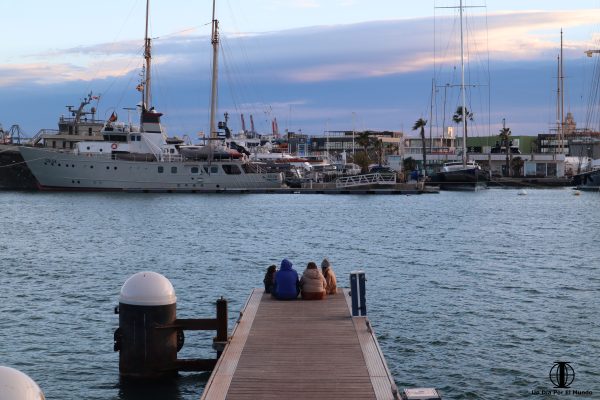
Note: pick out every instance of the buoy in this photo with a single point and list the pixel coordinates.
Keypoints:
(576, 193)
(522, 192)
(15, 385)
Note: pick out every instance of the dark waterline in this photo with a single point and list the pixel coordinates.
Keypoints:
(477, 294)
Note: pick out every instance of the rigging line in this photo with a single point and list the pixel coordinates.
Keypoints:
(127, 87)
(178, 33)
(95, 71)
(489, 75)
(257, 92)
(226, 66)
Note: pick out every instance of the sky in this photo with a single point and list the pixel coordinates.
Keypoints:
(314, 65)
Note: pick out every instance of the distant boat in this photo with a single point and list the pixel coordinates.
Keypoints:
(460, 176)
(141, 158)
(589, 180)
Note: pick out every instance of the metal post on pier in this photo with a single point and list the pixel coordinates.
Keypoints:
(358, 293)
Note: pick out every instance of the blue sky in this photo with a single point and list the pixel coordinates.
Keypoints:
(312, 64)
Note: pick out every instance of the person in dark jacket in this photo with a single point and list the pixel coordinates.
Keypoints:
(287, 285)
(270, 278)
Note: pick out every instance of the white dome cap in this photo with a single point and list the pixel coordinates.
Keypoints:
(147, 289)
(15, 385)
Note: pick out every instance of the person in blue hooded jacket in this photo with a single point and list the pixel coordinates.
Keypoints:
(286, 285)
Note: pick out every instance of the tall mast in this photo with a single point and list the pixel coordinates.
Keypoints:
(558, 93)
(213, 96)
(148, 57)
(562, 97)
(462, 88)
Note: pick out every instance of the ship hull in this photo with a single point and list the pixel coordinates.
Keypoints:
(588, 181)
(57, 170)
(14, 173)
(464, 179)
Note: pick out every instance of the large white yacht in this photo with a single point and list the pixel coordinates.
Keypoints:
(140, 158)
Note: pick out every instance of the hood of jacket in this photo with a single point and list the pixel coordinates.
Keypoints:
(286, 265)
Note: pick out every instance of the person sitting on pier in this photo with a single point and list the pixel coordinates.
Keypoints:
(270, 278)
(312, 283)
(286, 285)
(329, 275)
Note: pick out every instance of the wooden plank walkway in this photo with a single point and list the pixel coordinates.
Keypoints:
(300, 350)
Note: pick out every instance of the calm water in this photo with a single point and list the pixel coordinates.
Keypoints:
(477, 294)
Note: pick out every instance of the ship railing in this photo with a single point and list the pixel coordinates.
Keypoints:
(40, 135)
(366, 179)
(255, 168)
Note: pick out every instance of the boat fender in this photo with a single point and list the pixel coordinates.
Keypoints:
(180, 339)
(113, 146)
(117, 340)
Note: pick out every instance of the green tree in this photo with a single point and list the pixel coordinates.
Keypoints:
(458, 119)
(364, 140)
(505, 140)
(420, 124)
(517, 164)
(409, 164)
(362, 160)
(378, 145)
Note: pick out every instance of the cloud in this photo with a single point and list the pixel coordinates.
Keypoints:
(318, 73)
(324, 53)
(46, 74)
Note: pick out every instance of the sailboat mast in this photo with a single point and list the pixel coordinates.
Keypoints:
(462, 88)
(213, 96)
(147, 57)
(562, 97)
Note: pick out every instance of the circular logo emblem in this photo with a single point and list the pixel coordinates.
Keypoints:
(562, 374)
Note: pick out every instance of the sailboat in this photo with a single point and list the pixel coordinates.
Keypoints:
(465, 174)
(140, 158)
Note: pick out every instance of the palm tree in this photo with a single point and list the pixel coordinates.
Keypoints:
(505, 140)
(364, 140)
(458, 118)
(517, 164)
(420, 124)
(378, 145)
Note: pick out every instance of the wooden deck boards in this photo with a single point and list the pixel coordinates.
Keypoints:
(300, 350)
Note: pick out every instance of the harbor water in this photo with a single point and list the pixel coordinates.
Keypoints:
(476, 294)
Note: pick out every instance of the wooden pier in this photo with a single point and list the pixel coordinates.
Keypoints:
(301, 350)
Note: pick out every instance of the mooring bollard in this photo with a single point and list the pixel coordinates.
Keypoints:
(222, 337)
(150, 335)
(358, 292)
(147, 300)
(15, 385)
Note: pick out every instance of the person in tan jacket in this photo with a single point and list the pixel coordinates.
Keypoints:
(312, 283)
(329, 275)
